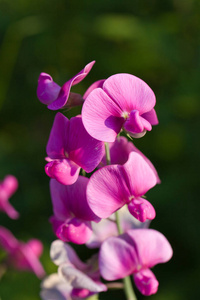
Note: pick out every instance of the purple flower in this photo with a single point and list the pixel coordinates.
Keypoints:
(135, 252)
(119, 153)
(124, 102)
(72, 215)
(56, 97)
(108, 227)
(22, 256)
(7, 188)
(75, 279)
(113, 186)
(71, 148)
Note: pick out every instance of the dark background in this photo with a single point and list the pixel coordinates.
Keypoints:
(155, 40)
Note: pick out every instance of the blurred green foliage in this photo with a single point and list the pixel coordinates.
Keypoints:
(155, 40)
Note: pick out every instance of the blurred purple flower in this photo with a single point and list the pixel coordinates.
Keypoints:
(56, 97)
(71, 148)
(72, 215)
(7, 188)
(135, 252)
(113, 186)
(75, 279)
(124, 102)
(22, 256)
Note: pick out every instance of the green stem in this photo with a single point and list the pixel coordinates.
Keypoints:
(128, 289)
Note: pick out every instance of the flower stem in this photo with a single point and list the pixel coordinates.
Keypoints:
(128, 289)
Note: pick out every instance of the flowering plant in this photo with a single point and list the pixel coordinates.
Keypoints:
(106, 209)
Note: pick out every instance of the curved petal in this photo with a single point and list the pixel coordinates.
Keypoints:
(101, 116)
(7, 240)
(47, 90)
(64, 171)
(139, 175)
(152, 246)
(63, 96)
(130, 93)
(9, 185)
(95, 85)
(75, 231)
(141, 209)
(136, 124)
(61, 252)
(58, 139)
(84, 150)
(71, 200)
(36, 246)
(107, 191)
(117, 259)
(79, 280)
(151, 117)
(146, 282)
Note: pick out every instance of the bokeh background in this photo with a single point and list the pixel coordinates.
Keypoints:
(155, 40)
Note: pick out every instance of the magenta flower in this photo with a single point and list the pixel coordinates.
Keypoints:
(71, 148)
(72, 215)
(119, 153)
(124, 102)
(22, 256)
(7, 188)
(113, 186)
(75, 279)
(135, 252)
(108, 227)
(56, 97)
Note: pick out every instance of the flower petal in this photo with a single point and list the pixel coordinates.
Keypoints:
(61, 252)
(117, 259)
(101, 116)
(152, 246)
(141, 209)
(63, 96)
(47, 90)
(151, 117)
(95, 85)
(139, 175)
(107, 191)
(146, 282)
(130, 93)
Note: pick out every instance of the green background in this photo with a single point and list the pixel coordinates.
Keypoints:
(155, 40)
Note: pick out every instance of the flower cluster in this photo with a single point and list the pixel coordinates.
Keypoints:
(106, 206)
(20, 255)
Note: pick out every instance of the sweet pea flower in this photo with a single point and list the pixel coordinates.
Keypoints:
(124, 102)
(7, 188)
(108, 227)
(20, 255)
(56, 97)
(72, 215)
(71, 148)
(119, 153)
(74, 279)
(113, 186)
(135, 252)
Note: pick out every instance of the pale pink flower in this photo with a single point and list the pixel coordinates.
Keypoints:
(113, 186)
(135, 252)
(124, 102)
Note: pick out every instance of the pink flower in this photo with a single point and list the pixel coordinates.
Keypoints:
(135, 252)
(22, 256)
(75, 279)
(113, 186)
(7, 188)
(71, 148)
(72, 215)
(108, 227)
(119, 153)
(56, 97)
(124, 102)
